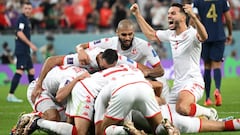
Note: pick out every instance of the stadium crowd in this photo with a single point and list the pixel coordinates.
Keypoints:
(93, 16)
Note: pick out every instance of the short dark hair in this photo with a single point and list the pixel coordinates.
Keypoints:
(110, 56)
(180, 6)
(26, 3)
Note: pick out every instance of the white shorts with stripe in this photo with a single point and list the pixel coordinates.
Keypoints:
(196, 89)
(81, 101)
(137, 95)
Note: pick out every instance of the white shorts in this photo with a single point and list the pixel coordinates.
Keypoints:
(81, 101)
(46, 101)
(194, 88)
(138, 95)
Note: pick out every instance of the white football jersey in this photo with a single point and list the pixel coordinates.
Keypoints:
(141, 50)
(72, 59)
(186, 52)
(59, 76)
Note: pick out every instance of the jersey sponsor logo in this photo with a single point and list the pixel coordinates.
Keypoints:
(67, 82)
(97, 42)
(154, 53)
(69, 60)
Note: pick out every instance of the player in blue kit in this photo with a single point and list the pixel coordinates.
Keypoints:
(23, 45)
(210, 13)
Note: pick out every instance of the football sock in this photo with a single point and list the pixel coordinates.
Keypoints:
(115, 130)
(15, 82)
(232, 125)
(30, 78)
(61, 128)
(207, 79)
(197, 110)
(217, 78)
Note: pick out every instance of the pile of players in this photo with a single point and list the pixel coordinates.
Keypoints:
(117, 81)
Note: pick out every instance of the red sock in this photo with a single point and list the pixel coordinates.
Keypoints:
(193, 109)
(74, 131)
(229, 125)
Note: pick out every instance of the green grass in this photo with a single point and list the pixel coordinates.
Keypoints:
(9, 112)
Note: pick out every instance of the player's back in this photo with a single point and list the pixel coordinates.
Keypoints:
(60, 75)
(211, 13)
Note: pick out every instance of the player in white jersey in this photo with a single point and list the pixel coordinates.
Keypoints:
(100, 59)
(185, 42)
(128, 89)
(57, 79)
(132, 47)
(81, 100)
(185, 124)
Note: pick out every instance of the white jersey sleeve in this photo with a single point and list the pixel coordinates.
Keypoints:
(125, 60)
(104, 43)
(71, 59)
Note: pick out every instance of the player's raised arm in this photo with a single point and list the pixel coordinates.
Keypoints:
(148, 31)
(202, 33)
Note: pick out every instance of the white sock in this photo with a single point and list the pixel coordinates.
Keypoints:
(61, 128)
(236, 124)
(200, 111)
(115, 130)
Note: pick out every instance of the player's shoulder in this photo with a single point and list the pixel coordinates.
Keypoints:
(139, 42)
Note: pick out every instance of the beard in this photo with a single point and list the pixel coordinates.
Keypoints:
(124, 45)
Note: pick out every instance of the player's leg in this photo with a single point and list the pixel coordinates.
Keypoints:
(20, 67)
(82, 125)
(186, 104)
(209, 125)
(30, 68)
(205, 54)
(217, 59)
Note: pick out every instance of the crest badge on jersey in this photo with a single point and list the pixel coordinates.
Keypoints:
(134, 51)
(69, 60)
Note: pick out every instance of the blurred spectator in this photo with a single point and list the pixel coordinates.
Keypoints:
(7, 55)
(12, 15)
(48, 49)
(93, 22)
(105, 17)
(4, 21)
(147, 9)
(159, 14)
(37, 18)
(119, 13)
(34, 57)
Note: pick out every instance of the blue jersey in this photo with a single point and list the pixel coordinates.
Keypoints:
(211, 13)
(24, 25)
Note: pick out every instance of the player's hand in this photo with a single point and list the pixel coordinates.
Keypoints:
(188, 9)
(83, 57)
(134, 9)
(229, 40)
(36, 92)
(33, 47)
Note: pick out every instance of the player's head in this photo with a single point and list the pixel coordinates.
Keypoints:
(176, 16)
(107, 59)
(125, 32)
(27, 8)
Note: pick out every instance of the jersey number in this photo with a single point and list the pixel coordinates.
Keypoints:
(212, 13)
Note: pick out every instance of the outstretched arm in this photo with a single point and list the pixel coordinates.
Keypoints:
(47, 66)
(148, 31)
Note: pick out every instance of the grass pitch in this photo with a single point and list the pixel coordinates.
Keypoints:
(9, 112)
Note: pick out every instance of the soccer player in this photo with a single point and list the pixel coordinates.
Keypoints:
(100, 59)
(186, 47)
(127, 44)
(23, 45)
(57, 79)
(211, 13)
